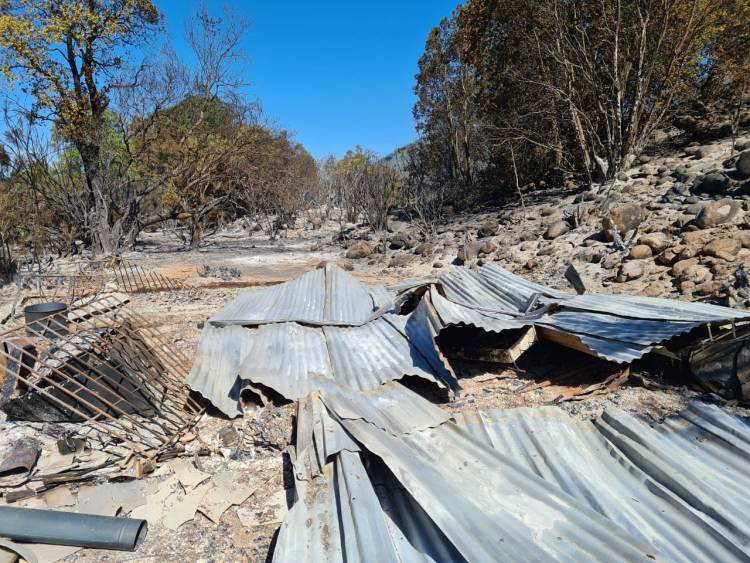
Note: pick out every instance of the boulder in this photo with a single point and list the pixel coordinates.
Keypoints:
(401, 241)
(743, 164)
(668, 256)
(488, 247)
(657, 241)
(640, 251)
(744, 238)
(713, 183)
(489, 228)
(360, 249)
(697, 274)
(424, 249)
(630, 271)
(556, 229)
(724, 248)
(624, 218)
(653, 290)
(468, 252)
(679, 267)
(717, 213)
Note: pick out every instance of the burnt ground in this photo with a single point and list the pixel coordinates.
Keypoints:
(238, 257)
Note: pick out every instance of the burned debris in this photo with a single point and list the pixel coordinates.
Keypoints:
(382, 472)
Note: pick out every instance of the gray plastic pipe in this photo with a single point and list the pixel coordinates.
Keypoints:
(70, 528)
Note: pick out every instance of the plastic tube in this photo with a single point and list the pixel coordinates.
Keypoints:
(70, 528)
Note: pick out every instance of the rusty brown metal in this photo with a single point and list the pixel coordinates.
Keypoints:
(102, 365)
(21, 458)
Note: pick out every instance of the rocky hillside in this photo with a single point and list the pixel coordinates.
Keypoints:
(674, 225)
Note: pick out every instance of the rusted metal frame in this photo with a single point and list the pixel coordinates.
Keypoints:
(120, 393)
(29, 383)
(157, 348)
(172, 383)
(163, 388)
(147, 337)
(128, 282)
(141, 384)
(73, 394)
(177, 357)
(96, 381)
(137, 273)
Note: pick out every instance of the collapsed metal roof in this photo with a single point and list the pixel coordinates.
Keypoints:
(528, 483)
(324, 296)
(617, 328)
(329, 341)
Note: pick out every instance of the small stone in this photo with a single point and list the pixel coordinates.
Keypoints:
(424, 249)
(401, 241)
(653, 290)
(360, 249)
(437, 265)
(556, 229)
(697, 274)
(630, 271)
(717, 213)
(624, 218)
(656, 241)
(488, 247)
(640, 251)
(724, 248)
(679, 267)
(489, 228)
(610, 261)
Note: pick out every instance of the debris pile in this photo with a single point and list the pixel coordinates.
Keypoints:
(382, 473)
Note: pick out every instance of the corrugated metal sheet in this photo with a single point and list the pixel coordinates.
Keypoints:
(292, 359)
(486, 505)
(614, 327)
(215, 370)
(530, 484)
(453, 314)
(325, 296)
(679, 487)
(341, 513)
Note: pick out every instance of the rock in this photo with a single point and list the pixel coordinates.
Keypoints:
(468, 252)
(348, 266)
(713, 183)
(742, 144)
(531, 264)
(743, 164)
(667, 257)
(652, 290)
(717, 213)
(556, 229)
(656, 241)
(744, 238)
(424, 249)
(546, 250)
(397, 226)
(611, 261)
(697, 274)
(400, 260)
(401, 241)
(489, 228)
(678, 268)
(624, 218)
(360, 249)
(724, 248)
(547, 211)
(707, 288)
(630, 271)
(437, 265)
(317, 223)
(687, 287)
(640, 251)
(593, 254)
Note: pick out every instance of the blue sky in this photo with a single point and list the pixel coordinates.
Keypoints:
(336, 74)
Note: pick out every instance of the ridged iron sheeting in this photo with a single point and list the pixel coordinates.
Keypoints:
(679, 486)
(618, 328)
(294, 359)
(324, 296)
